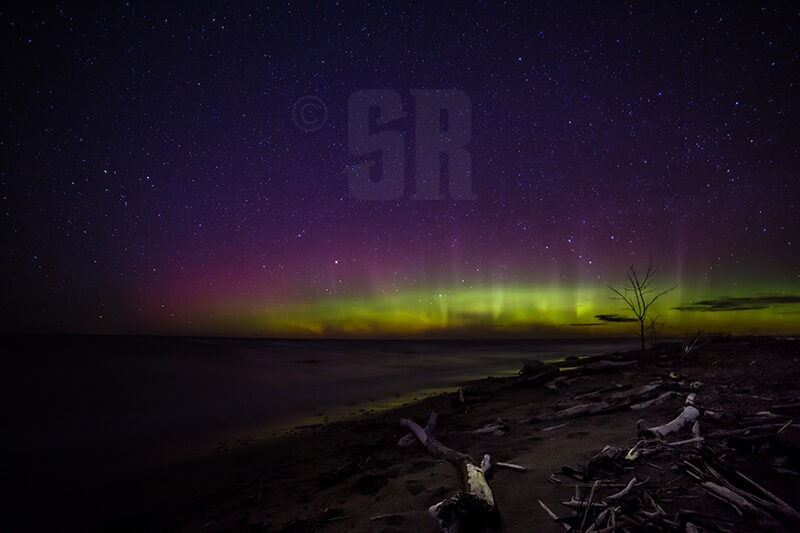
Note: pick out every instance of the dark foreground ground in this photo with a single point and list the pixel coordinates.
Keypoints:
(353, 476)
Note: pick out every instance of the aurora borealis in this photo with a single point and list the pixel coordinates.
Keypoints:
(154, 180)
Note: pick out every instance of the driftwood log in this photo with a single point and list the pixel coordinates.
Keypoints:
(655, 401)
(469, 510)
(576, 411)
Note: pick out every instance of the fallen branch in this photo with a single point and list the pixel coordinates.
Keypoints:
(599, 520)
(734, 500)
(511, 466)
(635, 394)
(536, 379)
(595, 393)
(663, 397)
(384, 516)
(589, 505)
(576, 411)
(554, 516)
(778, 507)
(551, 428)
(694, 345)
(767, 493)
(474, 505)
(498, 427)
(574, 503)
(624, 491)
(693, 440)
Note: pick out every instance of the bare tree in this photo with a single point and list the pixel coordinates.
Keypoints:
(639, 294)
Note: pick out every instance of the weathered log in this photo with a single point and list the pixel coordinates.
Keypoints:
(785, 512)
(765, 429)
(777, 507)
(764, 491)
(635, 394)
(595, 393)
(663, 397)
(762, 417)
(510, 466)
(619, 400)
(575, 411)
(384, 516)
(739, 503)
(498, 427)
(535, 380)
(693, 440)
(472, 509)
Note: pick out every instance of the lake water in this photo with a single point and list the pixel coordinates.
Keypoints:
(101, 404)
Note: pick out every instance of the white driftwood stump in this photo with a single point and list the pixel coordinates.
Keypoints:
(687, 416)
(471, 509)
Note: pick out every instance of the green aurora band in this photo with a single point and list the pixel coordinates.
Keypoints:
(495, 312)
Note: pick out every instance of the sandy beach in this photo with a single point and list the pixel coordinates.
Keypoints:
(353, 475)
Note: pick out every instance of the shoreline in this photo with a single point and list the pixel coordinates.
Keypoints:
(102, 403)
(354, 470)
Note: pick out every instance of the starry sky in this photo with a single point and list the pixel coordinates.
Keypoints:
(154, 178)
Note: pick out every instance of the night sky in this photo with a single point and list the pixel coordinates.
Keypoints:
(154, 178)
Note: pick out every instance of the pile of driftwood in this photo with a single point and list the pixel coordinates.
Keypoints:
(701, 448)
(705, 459)
(708, 457)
